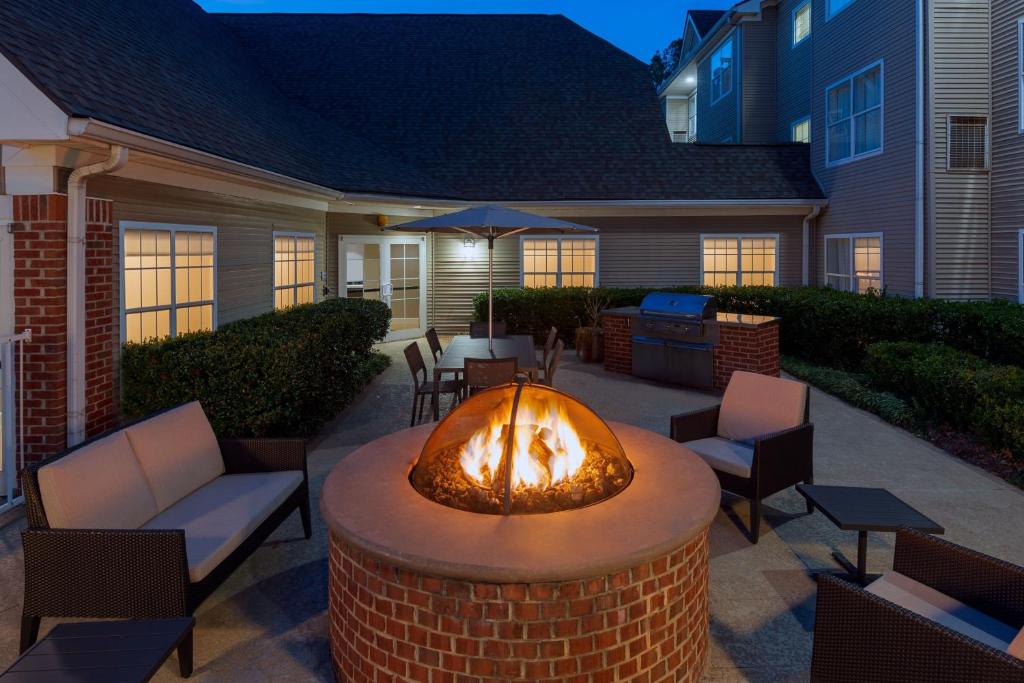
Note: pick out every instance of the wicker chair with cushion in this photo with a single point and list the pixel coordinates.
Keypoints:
(422, 387)
(945, 613)
(478, 329)
(481, 373)
(434, 343)
(147, 521)
(759, 441)
(549, 346)
(552, 366)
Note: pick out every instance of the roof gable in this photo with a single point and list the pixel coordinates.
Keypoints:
(705, 19)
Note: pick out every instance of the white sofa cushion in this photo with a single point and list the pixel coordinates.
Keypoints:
(724, 455)
(757, 405)
(98, 486)
(178, 452)
(218, 516)
(940, 608)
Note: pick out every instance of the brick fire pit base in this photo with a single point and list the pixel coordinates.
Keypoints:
(614, 592)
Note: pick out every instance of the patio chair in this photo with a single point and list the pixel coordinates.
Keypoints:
(945, 613)
(549, 346)
(478, 329)
(422, 387)
(759, 441)
(552, 365)
(434, 343)
(481, 373)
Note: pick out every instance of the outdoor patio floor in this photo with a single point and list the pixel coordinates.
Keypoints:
(268, 622)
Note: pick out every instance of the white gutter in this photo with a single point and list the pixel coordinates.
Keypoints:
(76, 288)
(919, 151)
(806, 273)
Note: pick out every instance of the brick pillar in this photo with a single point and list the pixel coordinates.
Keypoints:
(618, 343)
(40, 300)
(754, 348)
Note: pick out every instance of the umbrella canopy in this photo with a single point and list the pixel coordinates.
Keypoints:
(491, 223)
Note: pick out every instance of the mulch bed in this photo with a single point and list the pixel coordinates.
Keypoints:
(999, 462)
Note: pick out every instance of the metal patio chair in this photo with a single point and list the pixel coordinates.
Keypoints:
(422, 387)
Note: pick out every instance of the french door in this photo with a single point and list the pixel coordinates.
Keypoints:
(388, 269)
(10, 398)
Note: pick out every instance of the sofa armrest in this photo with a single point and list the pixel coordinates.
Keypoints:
(859, 636)
(105, 573)
(697, 424)
(784, 458)
(987, 584)
(263, 455)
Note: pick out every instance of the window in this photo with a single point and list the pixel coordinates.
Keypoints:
(853, 116)
(559, 262)
(691, 111)
(801, 130)
(837, 6)
(853, 263)
(168, 280)
(721, 70)
(967, 148)
(739, 259)
(1020, 72)
(294, 269)
(676, 116)
(801, 23)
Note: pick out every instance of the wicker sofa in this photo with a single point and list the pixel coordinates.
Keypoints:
(147, 521)
(945, 613)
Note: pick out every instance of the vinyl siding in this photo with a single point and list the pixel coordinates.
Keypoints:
(793, 72)
(758, 90)
(1007, 150)
(958, 58)
(874, 194)
(719, 122)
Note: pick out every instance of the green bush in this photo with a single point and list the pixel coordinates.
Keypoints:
(948, 386)
(819, 325)
(855, 389)
(279, 374)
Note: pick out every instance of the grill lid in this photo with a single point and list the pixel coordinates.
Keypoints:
(686, 306)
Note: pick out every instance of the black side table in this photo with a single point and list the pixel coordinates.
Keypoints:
(853, 508)
(104, 651)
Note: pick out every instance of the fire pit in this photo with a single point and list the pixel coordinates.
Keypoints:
(589, 562)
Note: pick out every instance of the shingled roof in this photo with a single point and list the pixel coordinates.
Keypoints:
(705, 19)
(468, 107)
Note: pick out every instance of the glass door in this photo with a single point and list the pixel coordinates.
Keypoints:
(388, 269)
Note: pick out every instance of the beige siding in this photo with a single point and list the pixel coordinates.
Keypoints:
(758, 83)
(959, 208)
(1007, 150)
(245, 249)
(793, 72)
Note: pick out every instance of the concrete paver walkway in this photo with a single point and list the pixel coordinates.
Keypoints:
(267, 623)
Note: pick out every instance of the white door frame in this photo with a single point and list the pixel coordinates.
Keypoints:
(8, 444)
(385, 274)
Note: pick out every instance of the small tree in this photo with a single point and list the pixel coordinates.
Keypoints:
(663, 63)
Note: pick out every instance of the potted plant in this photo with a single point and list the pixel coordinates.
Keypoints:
(590, 337)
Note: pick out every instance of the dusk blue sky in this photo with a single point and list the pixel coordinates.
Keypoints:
(639, 26)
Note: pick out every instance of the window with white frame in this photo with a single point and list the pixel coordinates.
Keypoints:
(853, 115)
(801, 23)
(800, 131)
(853, 263)
(691, 112)
(722, 70)
(559, 261)
(967, 143)
(837, 6)
(728, 260)
(294, 269)
(168, 280)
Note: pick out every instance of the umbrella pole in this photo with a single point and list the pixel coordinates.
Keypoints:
(490, 293)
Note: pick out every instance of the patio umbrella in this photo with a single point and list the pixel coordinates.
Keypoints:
(492, 223)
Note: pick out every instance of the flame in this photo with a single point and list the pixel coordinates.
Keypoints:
(547, 449)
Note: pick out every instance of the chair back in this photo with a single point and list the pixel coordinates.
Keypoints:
(556, 356)
(757, 405)
(481, 373)
(414, 358)
(434, 343)
(478, 329)
(549, 346)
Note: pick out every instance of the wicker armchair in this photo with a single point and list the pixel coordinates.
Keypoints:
(861, 636)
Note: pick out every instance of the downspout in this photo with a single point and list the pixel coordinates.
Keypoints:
(76, 288)
(806, 274)
(919, 152)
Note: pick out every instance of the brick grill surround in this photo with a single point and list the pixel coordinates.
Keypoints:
(646, 623)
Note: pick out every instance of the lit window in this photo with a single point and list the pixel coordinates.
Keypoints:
(560, 262)
(837, 6)
(968, 143)
(853, 263)
(801, 131)
(169, 282)
(728, 261)
(721, 70)
(294, 271)
(854, 116)
(801, 22)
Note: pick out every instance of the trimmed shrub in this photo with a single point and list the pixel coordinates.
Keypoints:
(948, 386)
(855, 389)
(821, 326)
(282, 374)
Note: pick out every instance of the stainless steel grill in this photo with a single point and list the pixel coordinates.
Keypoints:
(674, 338)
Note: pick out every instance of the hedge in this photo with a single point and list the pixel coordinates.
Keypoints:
(821, 326)
(282, 374)
(855, 389)
(951, 387)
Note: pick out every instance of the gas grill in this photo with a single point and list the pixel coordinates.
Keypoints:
(674, 338)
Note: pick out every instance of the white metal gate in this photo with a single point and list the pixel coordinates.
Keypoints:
(12, 417)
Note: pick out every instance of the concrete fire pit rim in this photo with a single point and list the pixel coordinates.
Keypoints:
(368, 502)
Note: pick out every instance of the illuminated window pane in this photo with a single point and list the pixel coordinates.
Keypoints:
(295, 270)
(749, 261)
(854, 264)
(553, 262)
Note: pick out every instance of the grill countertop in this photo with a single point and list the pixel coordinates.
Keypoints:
(723, 319)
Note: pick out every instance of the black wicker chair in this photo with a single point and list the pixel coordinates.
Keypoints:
(860, 636)
(139, 573)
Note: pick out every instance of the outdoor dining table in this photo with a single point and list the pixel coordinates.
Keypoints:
(453, 360)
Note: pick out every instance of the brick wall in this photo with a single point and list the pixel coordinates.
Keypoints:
(647, 623)
(618, 344)
(40, 299)
(755, 349)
